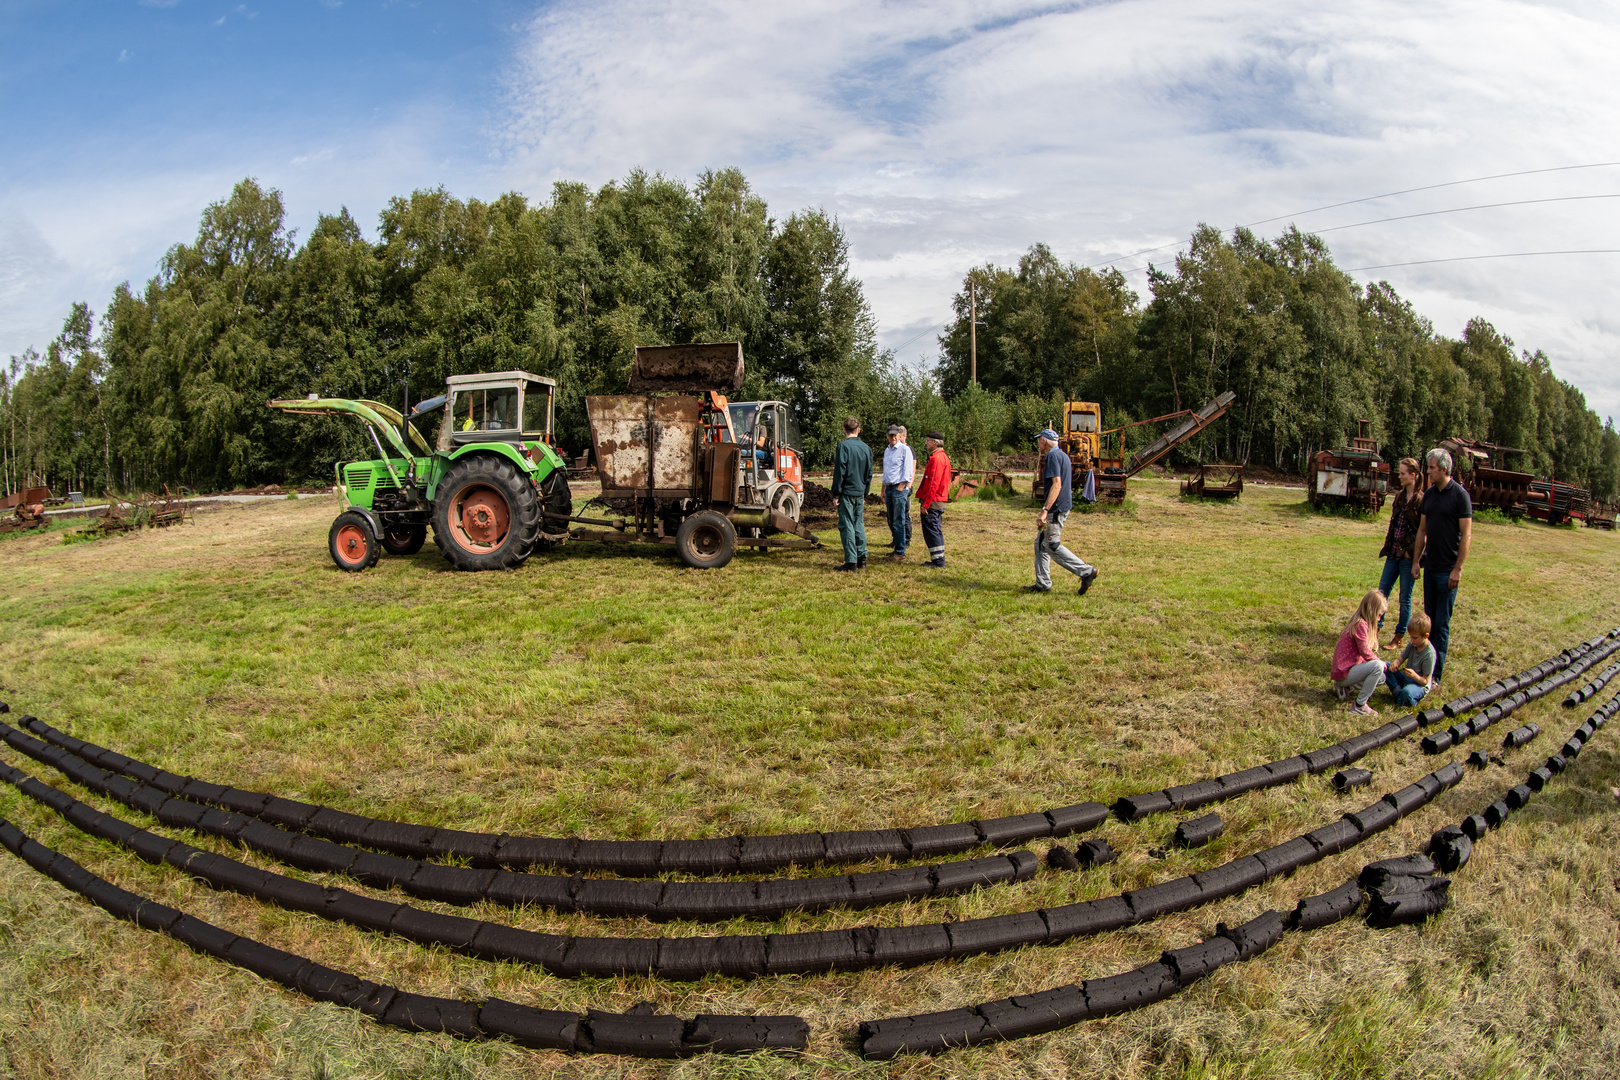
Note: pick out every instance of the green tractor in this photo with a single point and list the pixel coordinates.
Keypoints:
(487, 479)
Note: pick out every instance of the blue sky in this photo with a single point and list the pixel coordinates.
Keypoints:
(944, 135)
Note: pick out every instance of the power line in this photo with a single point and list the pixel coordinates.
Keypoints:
(1369, 198)
(1432, 187)
(1436, 213)
(1460, 209)
(928, 330)
(1471, 258)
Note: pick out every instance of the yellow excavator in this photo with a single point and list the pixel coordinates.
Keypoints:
(1083, 439)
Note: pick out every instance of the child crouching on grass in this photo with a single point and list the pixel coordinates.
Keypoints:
(1356, 667)
(1410, 677)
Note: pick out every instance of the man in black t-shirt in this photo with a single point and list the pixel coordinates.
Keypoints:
(1444, 531)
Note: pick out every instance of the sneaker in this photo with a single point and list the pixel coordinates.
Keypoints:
(1037, 588)
(1085, 582)
(847, 567)
(1363, 710)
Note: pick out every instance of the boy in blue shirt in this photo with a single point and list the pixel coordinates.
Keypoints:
(1410, 677)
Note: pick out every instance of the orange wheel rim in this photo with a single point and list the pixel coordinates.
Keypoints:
(481, 518)
(351, 545)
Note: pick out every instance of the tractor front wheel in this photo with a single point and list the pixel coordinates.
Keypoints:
(486, 514)
(403, 539)
(706, 541)
(351, 542)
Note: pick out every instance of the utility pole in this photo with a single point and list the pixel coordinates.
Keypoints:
(973, 333)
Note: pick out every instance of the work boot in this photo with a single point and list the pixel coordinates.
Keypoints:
(1037, 588)
(1085, 582)
(1399, 640)
(860, 563)
(846, 567)
(898, 556)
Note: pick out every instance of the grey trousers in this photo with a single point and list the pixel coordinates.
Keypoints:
(1049, 548)
(1364, 678)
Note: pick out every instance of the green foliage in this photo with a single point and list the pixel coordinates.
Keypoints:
(170, 389)
(1308, 352)
(173, 388)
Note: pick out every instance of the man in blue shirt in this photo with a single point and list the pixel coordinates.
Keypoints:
(1058, 472)
(851, 480)
(898, 469)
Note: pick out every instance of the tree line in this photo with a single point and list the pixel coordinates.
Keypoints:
(170, 387)
(169, 384)
(1307, 350)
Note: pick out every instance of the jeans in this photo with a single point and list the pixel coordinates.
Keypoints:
(1400, 569)
(897, 504)
(1364, 679)
(1049, 548)
(1407, 691)
(852, 526)
(1438, 599)
(934, 533)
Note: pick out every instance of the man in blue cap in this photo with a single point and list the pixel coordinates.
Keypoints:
(1058, 472)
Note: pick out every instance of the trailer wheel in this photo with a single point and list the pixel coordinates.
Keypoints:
(351, 543)
(706, 541)
(403, 539)
(486, 514)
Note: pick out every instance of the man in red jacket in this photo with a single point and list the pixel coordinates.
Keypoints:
(932, 493)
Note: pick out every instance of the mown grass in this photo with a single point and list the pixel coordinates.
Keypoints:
(614, 693)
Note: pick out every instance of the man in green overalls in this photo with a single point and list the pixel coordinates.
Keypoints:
(851, 480)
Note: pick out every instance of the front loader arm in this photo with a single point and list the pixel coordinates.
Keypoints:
(384, 421)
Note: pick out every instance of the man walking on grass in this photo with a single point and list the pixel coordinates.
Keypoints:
(851, 480)
(931, 495)
(1057, 471)
(1445, 529)
(898, 468)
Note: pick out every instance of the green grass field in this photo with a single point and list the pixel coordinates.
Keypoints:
(614, 693)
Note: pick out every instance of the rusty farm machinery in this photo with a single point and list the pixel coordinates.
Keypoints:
(1083, 439)
(678, 464)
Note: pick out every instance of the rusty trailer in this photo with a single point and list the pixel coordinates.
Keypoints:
(681, 473)
(1213, 481)
(1354, 476)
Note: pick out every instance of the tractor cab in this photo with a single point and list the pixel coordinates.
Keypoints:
(768, 434)
(1081, 427)
(501, 406)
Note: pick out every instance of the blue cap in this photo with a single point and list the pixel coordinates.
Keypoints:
(1048, 433)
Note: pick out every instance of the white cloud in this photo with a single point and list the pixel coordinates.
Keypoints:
(945, 135)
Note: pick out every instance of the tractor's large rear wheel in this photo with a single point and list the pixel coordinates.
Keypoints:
(486, 514)
(557, 503)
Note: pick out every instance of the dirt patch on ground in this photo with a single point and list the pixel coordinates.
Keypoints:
(819, 498)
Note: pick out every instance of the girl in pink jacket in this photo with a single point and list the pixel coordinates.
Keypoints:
(1356, 667)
